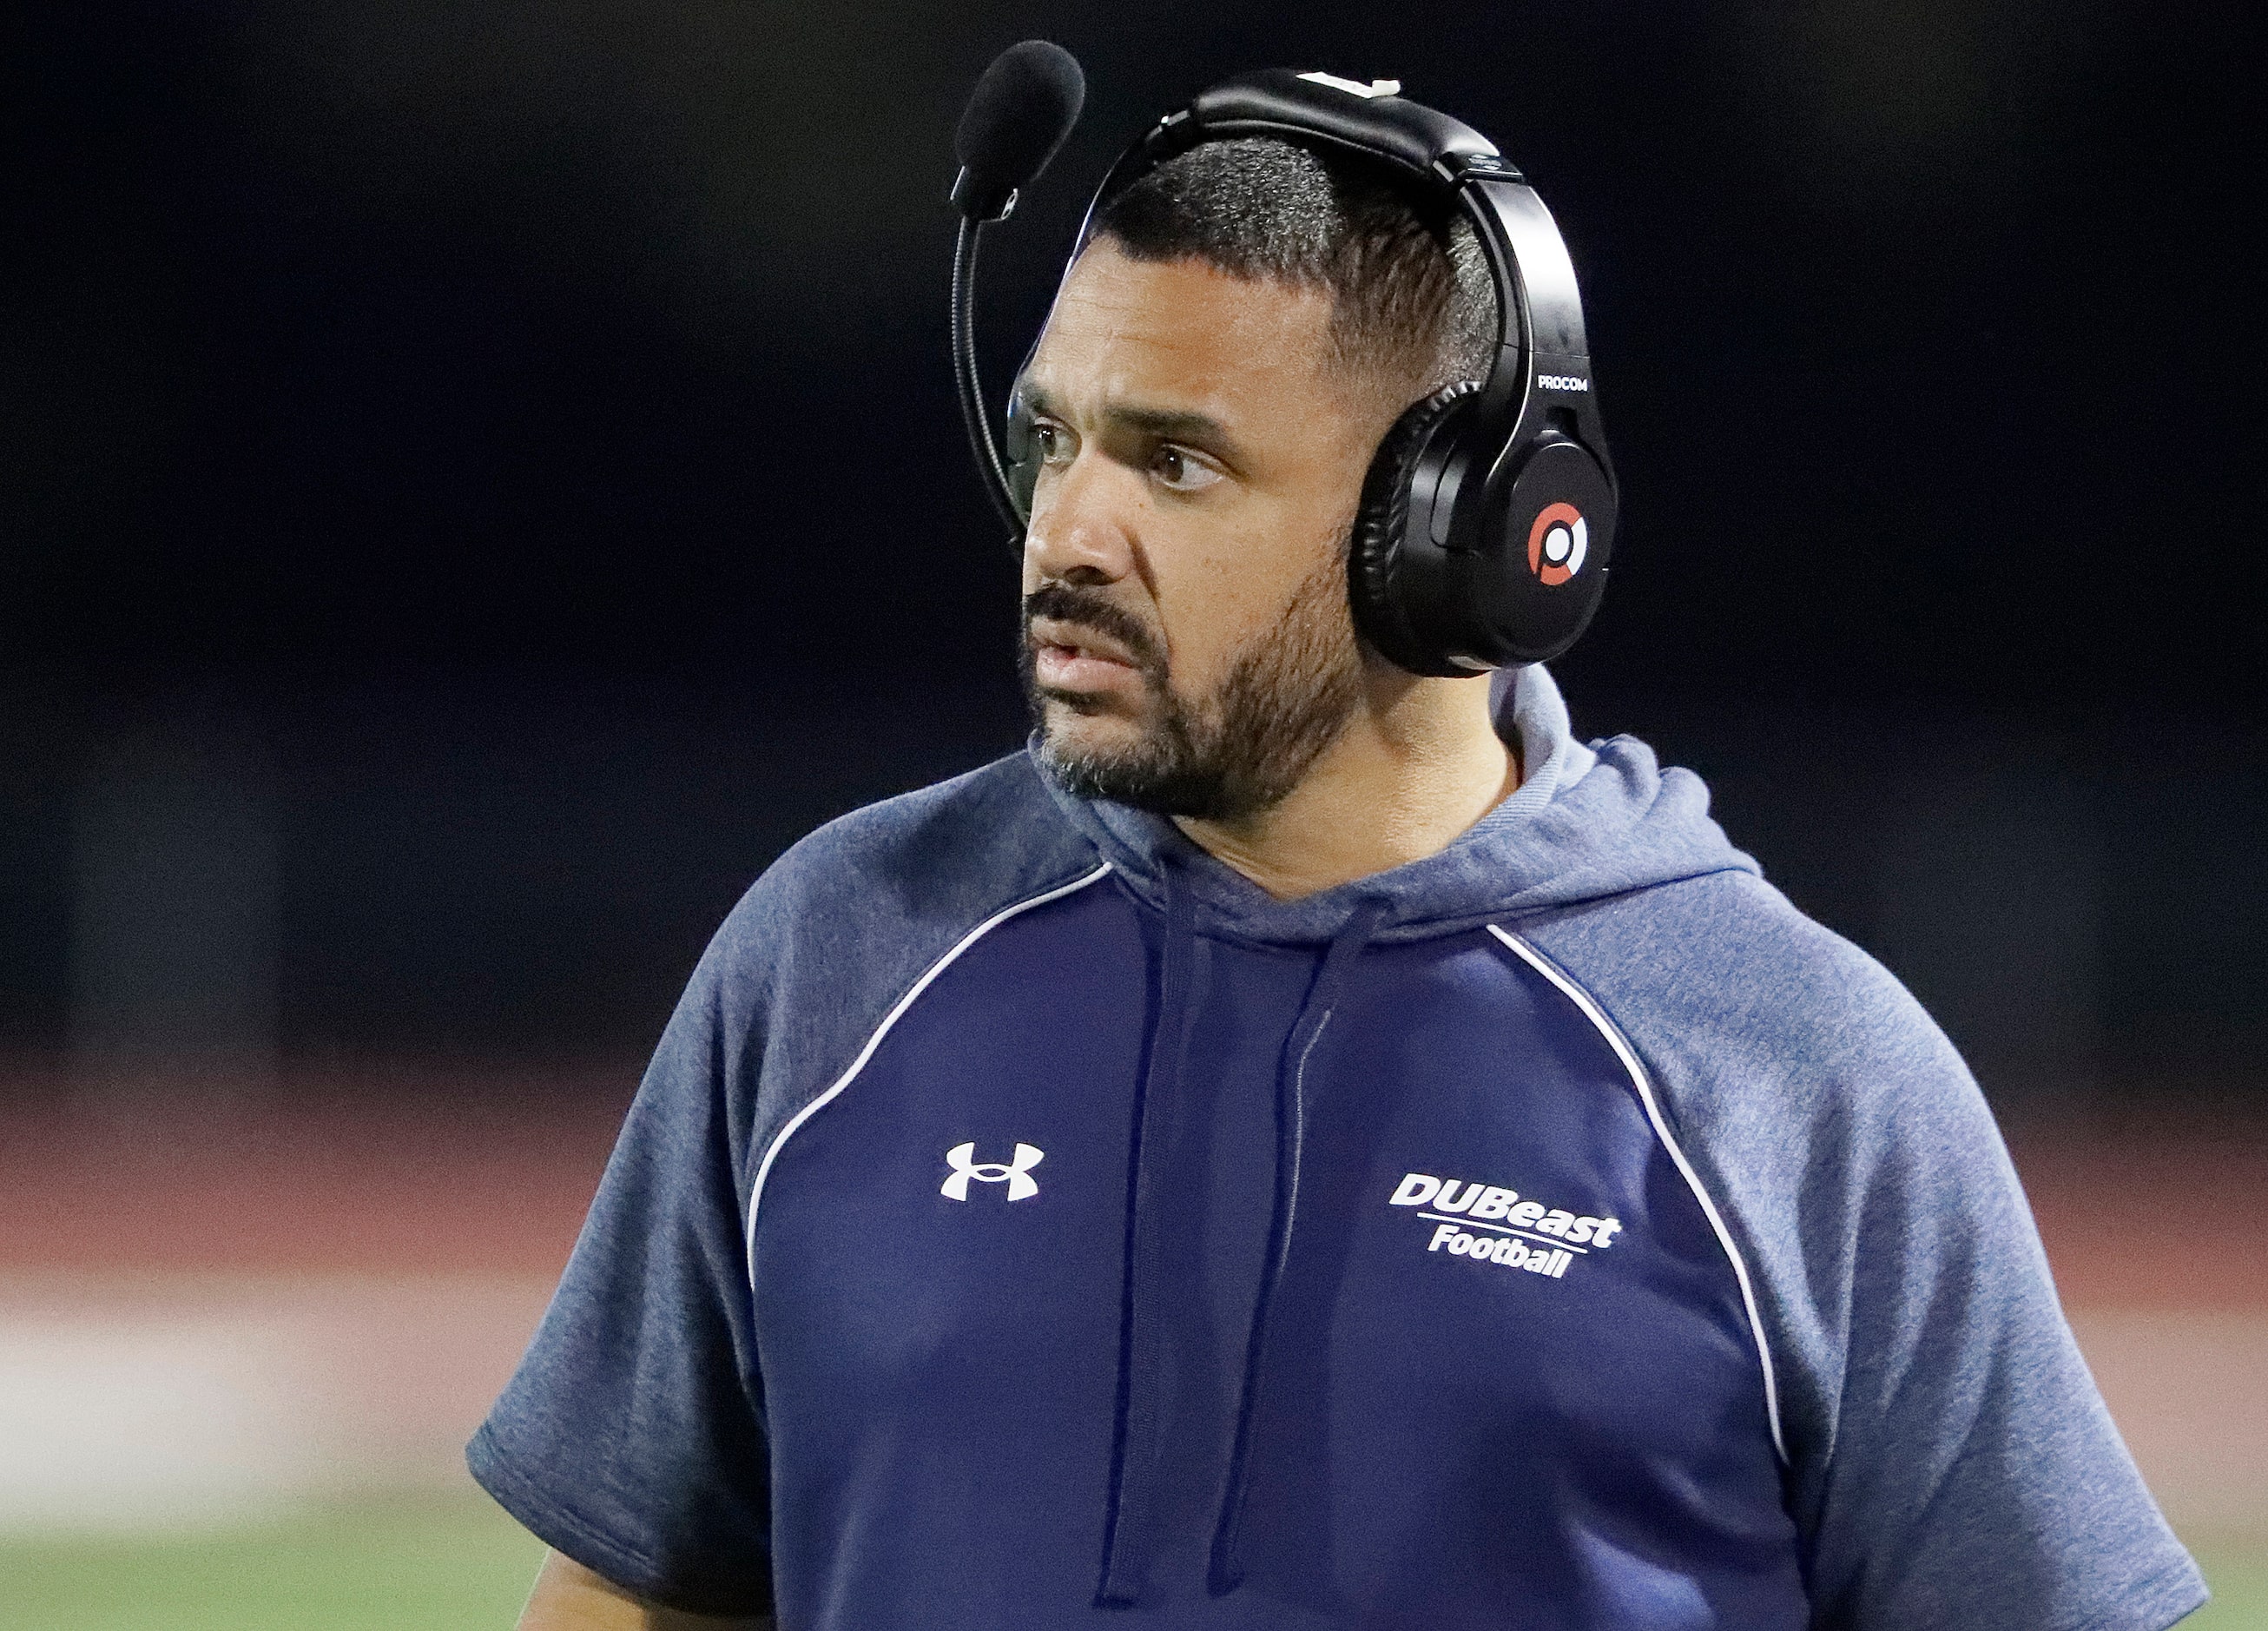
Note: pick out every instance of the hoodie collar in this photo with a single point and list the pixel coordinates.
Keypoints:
(1585, 822)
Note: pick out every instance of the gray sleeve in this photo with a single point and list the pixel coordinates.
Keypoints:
(1951, 1463)
(631, 1437)
(1971, 1476)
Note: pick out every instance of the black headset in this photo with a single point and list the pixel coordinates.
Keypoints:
(1488, 513)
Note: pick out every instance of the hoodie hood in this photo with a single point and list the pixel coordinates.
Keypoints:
(1586, 823)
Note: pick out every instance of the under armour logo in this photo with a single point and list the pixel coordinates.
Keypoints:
(1016, 1174)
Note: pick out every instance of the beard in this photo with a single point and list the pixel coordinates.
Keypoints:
(1238, 751)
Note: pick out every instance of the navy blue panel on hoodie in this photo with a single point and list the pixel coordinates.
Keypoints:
(1027, 1222)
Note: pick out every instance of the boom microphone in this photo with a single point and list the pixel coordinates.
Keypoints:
(1022, 107)
(1021, 110)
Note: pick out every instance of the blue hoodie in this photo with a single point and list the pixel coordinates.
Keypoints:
(1027, 1221)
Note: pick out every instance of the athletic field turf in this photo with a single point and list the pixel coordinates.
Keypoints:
(453, 1564)
(433, 1563)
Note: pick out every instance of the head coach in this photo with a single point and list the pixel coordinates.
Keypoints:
(1309, 1143)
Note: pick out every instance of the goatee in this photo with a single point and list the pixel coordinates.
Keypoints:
(1238, 751)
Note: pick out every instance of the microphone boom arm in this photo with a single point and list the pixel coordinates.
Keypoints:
(993, 470)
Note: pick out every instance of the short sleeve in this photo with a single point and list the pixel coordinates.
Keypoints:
(632, 1438)
(1974, 1478)
(1950, 1465)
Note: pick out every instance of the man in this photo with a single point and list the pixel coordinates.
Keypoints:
(1298, 1149)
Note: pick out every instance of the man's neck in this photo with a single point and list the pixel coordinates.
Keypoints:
(1417, 765)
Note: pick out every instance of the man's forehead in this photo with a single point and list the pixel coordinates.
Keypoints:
(1176, 334)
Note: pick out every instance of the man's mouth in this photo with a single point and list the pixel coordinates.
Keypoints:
(1072, 657)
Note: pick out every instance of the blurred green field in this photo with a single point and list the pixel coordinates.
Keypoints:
(437, 1563)
(456, 1564)
(2239, 1579)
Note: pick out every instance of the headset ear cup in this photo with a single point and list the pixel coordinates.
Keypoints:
(1550, 536)
(1378, 581)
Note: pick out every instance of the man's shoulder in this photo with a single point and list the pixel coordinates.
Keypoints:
(941, 858)
(1736, 989)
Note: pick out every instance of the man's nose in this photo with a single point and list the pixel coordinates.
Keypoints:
(1086, 525)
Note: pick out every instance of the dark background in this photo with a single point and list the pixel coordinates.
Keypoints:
(477, 479)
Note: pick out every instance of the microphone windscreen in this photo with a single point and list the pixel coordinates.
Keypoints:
(1021, 110)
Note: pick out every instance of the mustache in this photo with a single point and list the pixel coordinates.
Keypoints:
(1093, 609)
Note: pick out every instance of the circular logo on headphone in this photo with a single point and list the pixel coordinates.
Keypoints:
(1557, 543)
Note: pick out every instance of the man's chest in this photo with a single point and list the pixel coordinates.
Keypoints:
(1428, 1241)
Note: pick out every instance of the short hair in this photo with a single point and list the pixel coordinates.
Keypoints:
(1411, 290)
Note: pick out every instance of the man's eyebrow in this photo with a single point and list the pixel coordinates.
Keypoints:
(1175, 425)
(1167, 424)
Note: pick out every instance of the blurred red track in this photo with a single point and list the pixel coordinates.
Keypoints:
(2174, 1221)
(480, 1182)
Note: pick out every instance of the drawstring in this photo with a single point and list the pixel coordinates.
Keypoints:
(1134, 1435)
(1226, 1571)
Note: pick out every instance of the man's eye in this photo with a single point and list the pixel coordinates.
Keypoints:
(1183, 471)
(1052, 443)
